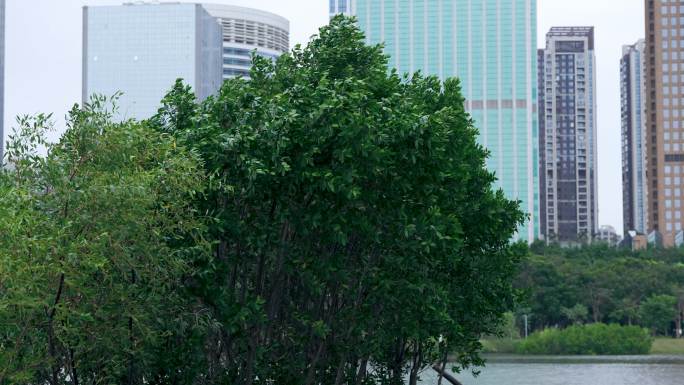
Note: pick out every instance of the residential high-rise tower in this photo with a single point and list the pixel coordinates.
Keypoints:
(491, 46)
(665, 118)
(633, 110)
(568, 160)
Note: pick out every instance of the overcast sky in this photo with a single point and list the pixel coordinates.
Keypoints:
(43, 61)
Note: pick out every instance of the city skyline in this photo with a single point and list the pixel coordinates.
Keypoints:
(36, 88)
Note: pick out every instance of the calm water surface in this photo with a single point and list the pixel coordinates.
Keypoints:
(562, 370)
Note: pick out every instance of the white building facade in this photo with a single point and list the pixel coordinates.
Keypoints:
(633, 111)
(247, 31)
(140, 49)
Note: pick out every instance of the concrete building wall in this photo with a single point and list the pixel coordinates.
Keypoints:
(665, 117)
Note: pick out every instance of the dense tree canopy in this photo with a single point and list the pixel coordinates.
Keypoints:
(599, 283)
(90, 288)
(356, 237)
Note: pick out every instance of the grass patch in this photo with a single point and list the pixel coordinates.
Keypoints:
(499, 345)
(668, 346)
(664, 346)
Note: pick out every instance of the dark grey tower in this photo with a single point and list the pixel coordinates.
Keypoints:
(568, 135)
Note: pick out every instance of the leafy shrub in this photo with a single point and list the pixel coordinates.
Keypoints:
(599, 339)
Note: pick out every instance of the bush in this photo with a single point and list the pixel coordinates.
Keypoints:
(598, 339)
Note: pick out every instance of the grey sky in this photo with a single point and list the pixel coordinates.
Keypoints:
(43, 61)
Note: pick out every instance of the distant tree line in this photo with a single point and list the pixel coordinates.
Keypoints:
(599, 283)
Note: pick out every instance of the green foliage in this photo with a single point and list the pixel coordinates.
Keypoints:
(576, 314)
(355, 224)
(326, 222)
(594, 339)
(657, 312)
(597, 284)
(508, 328)
(91, 290)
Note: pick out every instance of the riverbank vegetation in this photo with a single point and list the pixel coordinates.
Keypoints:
(325, 222)
(592, 339)
(600, 284)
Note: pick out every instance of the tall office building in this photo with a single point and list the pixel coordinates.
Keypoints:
(633, 111)
(247, 31)
(491, 46)
(568, 110)
(140, 49)
(665, 117)
(340, 6)
(2, 80)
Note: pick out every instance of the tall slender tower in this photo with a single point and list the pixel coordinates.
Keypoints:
(633, 111)
(491, 46)
(665, 118)
(2, 80)
(568, 162)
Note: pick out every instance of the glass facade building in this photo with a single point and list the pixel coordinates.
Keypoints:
(633, 112)
(140, 50)
(491, 46)
(568, 161)
(246, 31)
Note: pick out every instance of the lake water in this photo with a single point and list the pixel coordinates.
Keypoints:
(573, 370)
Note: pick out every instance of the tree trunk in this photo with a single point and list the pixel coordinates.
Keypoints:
(311, 375)
(415, 365)
(361, 375)
(446, 375)
(442, 370)
(340, 371)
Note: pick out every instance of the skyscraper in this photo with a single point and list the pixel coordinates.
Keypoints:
(665, 117)
(141, 49)
(568, 110)
(340, 6)
(2, 80)
(491, 46)
(633, 110)
(247, 31)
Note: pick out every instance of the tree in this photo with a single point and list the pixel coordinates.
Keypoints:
(658, 312)
(358, 236)
(92, 287)
(576, 314)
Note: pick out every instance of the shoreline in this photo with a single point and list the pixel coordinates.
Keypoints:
(505, 346)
